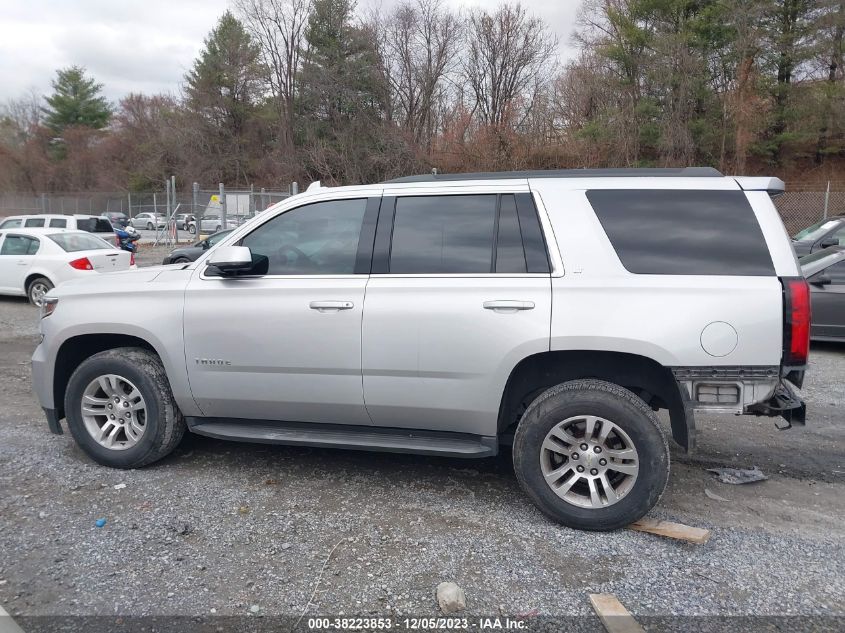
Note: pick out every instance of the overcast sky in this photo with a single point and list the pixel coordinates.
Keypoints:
(144, 46)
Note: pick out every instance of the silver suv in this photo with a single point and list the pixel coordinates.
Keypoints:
(450, 315)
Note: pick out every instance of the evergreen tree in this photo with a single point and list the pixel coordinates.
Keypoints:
(76, 100)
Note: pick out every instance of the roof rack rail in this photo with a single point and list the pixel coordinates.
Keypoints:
(663, 172)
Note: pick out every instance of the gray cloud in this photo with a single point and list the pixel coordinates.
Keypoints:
(145, 46)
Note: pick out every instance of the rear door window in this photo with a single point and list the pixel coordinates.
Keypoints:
(57, 223)
(683, 232)
(443, 234)
(34, 222)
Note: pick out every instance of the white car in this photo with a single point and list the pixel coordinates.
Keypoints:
(149, 221)
(212, 223)
(98, 225)
(32, 261)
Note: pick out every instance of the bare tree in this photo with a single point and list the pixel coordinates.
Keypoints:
(418, 42)
(508, 51)
(279, 28)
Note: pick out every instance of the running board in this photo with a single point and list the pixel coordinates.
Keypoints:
(358, 438)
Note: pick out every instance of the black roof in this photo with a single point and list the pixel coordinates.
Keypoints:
(667, 172)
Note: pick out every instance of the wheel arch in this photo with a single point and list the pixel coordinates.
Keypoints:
(32, 276)
(644, 376)
(76, 349)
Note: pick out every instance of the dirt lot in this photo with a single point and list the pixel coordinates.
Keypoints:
(234, 529)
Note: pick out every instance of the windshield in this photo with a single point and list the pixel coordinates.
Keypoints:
(820, 260)
(814, 232)
(73, 242)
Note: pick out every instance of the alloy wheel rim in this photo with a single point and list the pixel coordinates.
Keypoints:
(37, 293)
(114, 412)
(589, 461)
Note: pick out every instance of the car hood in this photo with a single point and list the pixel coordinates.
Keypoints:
(117, 282)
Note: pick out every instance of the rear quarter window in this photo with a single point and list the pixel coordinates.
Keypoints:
(683, 232)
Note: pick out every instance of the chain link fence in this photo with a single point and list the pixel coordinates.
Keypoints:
(205, 206)
(801, 205)
(800, 209)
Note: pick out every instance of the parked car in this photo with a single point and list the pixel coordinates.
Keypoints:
(448, 315)
(185, 254)
(98, 225)
(184, 220)
(825, 270)
(149, 221)
(829, 232)
(117, 219)
(211, 223)
(32, 261)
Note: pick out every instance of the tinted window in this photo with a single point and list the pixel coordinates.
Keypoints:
(678, 232)
(19, 245)
(58, 224)
(510, 256)
(443, 234)
(73, 242)
(317, 239)
(11, 224)
(34, 222)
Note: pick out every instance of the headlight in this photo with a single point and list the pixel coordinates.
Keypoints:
(48, 306)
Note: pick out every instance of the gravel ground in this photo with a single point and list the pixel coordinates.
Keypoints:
(235, 529)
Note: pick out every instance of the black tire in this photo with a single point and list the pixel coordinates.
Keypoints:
(165, 425)
(217, 230)
(34, 290)
(150, 226)
(181, 260)
(192, 229)
(614, 403)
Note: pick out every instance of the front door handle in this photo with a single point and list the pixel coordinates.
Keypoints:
(331, 306)
(507, 305)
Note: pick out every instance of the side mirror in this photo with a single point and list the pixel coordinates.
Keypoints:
(230, 260)
(828, 242)
(820, 279)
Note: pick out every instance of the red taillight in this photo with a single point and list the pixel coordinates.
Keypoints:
(83, 263)
(796, 326)
(131, 259)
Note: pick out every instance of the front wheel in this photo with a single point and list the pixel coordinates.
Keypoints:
(120, 409)
(591, 455)
(192, 229)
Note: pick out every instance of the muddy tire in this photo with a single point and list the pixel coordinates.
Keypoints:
(591, 455)
(120, 408)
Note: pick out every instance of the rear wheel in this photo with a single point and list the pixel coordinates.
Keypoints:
(36, 290)
(181, 260)
(120, 409)
(591, 455)
(192, 229)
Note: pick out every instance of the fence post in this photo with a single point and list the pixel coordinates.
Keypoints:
(294, 188)
(129, 204)
(251, 211)
(195, 192)
(263, 199)
(826, 200)
(43, 203)
(222, 206)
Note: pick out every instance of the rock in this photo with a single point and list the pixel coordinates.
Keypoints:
(285, 545)
(255, 608)
(450, 598)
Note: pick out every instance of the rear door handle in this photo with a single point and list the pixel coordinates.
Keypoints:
(331, 306)
(506, 305)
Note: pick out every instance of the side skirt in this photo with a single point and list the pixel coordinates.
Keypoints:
(363, 438)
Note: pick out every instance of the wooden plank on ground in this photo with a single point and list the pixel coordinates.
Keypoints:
(680, 531)
(613, 614)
